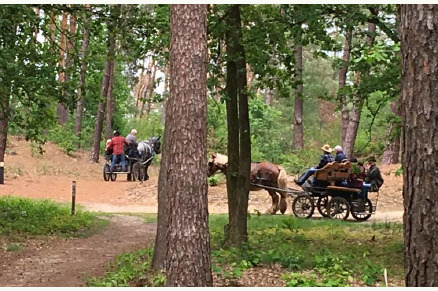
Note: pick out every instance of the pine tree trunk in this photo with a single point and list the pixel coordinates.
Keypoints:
(268, 96)
(147, 87)
(61, 109)
(110, 104)
(166, 90)
(419, 143)
(298, 107)
(95, 149)
(151, 91)
(83, 70)
(188, 241)
(4, 120)
(392, 151)
(342, 81)
(355, 113)
(239, 144)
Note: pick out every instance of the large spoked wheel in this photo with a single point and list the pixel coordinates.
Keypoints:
(303, 206)
(364, 215)
(338, 208)
(138, 172)
(322, 205)
(106, 172)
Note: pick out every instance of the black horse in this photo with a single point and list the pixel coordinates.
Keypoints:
(146, 150)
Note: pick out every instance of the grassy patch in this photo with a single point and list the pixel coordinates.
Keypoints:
(312, 253)
(132, 269)
(23, 217)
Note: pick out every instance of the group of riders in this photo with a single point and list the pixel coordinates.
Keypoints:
(119, 146)
(365, 177)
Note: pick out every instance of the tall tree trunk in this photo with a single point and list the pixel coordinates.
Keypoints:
(69, 60)
(166, 90)
(138, 85)
(151, 91)
(392, 150)
(61, 109)
(83, 70)
(355, 113)
(4, 119)
(268, 96)
(110, 104)
(343, 80)
(298, 107)
(95, 149)
(420, 143)
(147, 86)
(239, 143)
(188, 241)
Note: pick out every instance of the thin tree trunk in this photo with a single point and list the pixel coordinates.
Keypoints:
(298, 107)
(146, 86)
(4, 120)
(419, 143)
(342, 81)
(355, 113)
(83, 70)
(138, 85)
(392, 151)
(268, 96)
(188, 241)
(61, 109)
(110, 104)
(151, 91)
(69, 60)
(94, 154)
(166, 90)
(239, 144)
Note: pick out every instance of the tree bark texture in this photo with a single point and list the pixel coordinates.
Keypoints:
(4, 119)
(95, 149)
(188, 240)
(342, 81)
(419, 45)
(298, 107)
(356, 110)
(110, 104)
(83, 70)
(61, 108)
(392, 151)
(239, 142)
(151, 91)
(268, 96)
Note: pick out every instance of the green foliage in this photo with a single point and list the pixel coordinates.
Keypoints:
(129, 268)
(64, 137)
(212, 181)
(21, 216)
(398, 172)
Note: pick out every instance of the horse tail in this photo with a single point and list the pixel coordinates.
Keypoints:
(282, 178)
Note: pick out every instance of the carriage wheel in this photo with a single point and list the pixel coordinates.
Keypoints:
(338, 208)
(322, 205)
(368, 210)
(113, 177)
(106, 172)
(303, 206)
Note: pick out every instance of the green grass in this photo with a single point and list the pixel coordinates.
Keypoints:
(312, 253)
(26, 217)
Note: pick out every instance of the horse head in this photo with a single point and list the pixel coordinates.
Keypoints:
(217, 162)
(155, 144)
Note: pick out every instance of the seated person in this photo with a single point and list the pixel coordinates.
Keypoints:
(131, 139)
(340, 156)
(116, 144)
(108, 151)
(373, 179)
(325, 159)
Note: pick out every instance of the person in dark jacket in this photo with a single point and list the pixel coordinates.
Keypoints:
(325, 159)
(340, 156)
(373, 180)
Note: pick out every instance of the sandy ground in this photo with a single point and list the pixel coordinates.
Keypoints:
(64, 262)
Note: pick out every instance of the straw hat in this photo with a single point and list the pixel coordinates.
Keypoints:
(327, 148)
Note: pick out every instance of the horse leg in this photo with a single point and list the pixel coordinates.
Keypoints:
(283, 202)
(274, 207)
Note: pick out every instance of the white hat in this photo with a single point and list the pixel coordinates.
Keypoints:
(133, 131)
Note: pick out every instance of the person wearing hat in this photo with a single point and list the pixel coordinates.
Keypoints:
(132, 141)
(373, 180)
(325, 159)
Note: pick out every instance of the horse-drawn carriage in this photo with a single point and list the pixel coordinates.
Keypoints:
(331, 196)
(327, 192)
(137, 163)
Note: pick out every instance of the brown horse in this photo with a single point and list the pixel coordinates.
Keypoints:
(264, 173)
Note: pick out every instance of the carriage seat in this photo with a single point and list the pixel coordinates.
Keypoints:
(333, 172)
(343, 189)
